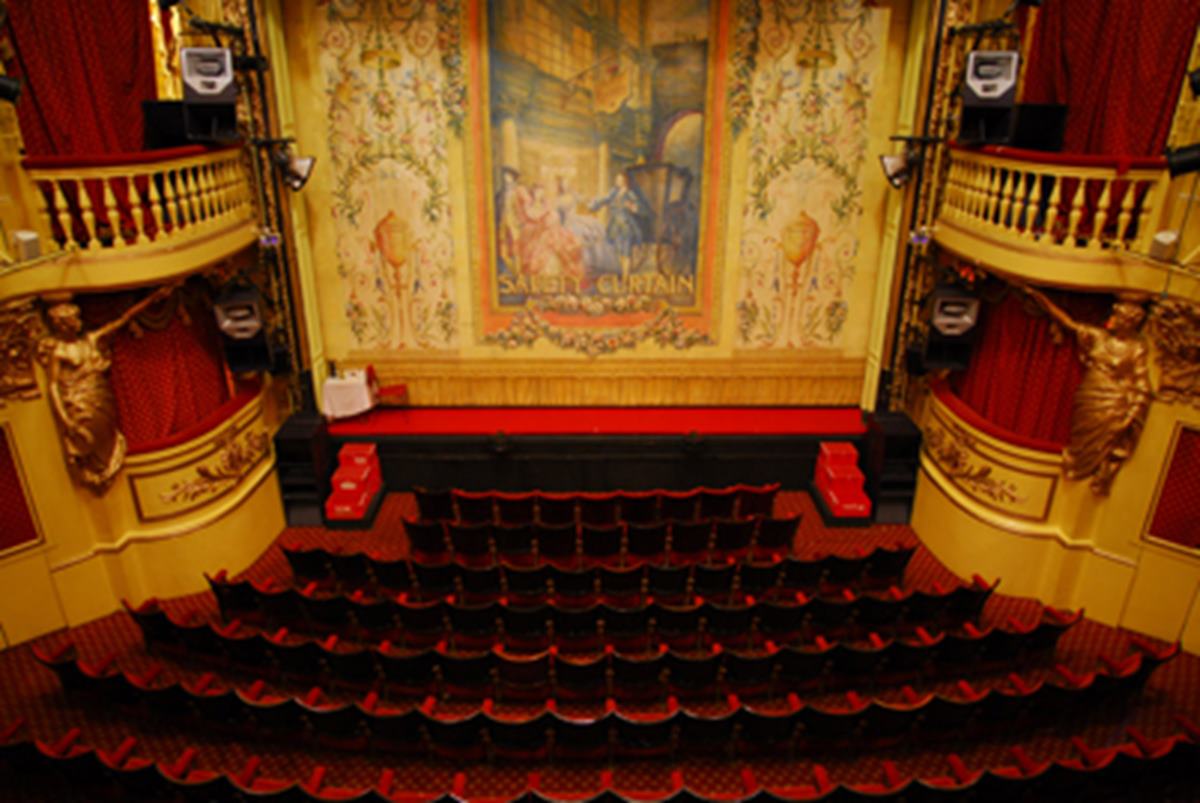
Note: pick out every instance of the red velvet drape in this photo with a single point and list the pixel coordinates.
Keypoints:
(1117, 65)
(16, 522)
(87, 67)
(1175, 517)
(1018, 378)
(165, 380)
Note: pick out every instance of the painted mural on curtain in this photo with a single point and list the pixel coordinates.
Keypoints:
(596, 113)
(394, 95)
(816, 62)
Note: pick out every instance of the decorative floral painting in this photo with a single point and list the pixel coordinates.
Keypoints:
(816, 61)
(394, 94)
(596, 114)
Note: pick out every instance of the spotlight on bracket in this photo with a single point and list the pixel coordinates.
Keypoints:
(10, 88)
(1181, 161)
(293, 169)
(898, 168)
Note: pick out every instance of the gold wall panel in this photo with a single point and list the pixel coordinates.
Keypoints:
(817, 380)
(1007, 480)
(182, 483)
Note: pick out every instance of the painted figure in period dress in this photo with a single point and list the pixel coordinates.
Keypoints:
(627, 215)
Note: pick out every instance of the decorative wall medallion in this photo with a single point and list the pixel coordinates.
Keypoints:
(1175, 328)
(20, 329)
(949, 450)
(236, 456)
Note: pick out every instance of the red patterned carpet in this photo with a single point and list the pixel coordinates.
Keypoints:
(31, 691)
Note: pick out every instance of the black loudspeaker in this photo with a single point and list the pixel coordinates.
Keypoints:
(303, 455)
(1040, 126)
(238, 310)
(989, 97)
(891, 461)
(163, 125)
(209, 94)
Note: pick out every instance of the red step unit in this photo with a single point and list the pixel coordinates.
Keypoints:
(359, 454)
(357, 488)
(838, 485)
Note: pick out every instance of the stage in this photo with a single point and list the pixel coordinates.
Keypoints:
(597, 448)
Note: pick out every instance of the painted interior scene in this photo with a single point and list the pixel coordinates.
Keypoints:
(597, 123)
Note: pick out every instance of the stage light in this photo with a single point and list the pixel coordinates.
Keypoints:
(898, 168)
(10, 88)
(295, 170)
(1181, 161)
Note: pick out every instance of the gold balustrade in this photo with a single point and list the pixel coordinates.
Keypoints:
(140, 219)
(1079, 221)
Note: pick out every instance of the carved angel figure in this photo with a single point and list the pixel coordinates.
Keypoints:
(1114, 395)
(77, 364)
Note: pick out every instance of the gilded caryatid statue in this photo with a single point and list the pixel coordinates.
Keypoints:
(77, 364)
(1114, 395)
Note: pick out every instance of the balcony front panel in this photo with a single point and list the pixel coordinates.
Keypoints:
(133, 219)
(1085, 222)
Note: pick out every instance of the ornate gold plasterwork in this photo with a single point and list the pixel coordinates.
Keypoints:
(20, 329)
(236, 455)
(950, 447)
(1175, 327)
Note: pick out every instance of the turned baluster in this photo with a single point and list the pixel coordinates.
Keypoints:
(954, 196)
(1101, 215)
(982, 177)
(993, 195)
(1126, 213)
(156, 203)
(1076, 213)
(187, 195)
(971, 185)
(1032, 208)
(220, 188)
(88, 215)
(1052, 208)
(134, 199)
(111, 213)
(1007, 191)
(208, 200)
(55, 208)
(171, 182)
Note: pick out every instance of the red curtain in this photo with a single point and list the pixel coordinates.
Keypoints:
(1175, 516)
(166, 380)
(1018, 378)
(87, 67)
(1117, 65)
(16, 522)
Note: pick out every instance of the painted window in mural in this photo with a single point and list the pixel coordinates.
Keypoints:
(597, 151)
(808, 135)
(394, 92)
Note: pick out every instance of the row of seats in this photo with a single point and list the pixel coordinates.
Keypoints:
(693, 540)
(880, 568)
(797, 617)
(672, 730)
(611, 666)
(598, 508)
(1140, 768)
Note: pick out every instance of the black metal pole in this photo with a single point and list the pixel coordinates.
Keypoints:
(883, 397)
(282, 262)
